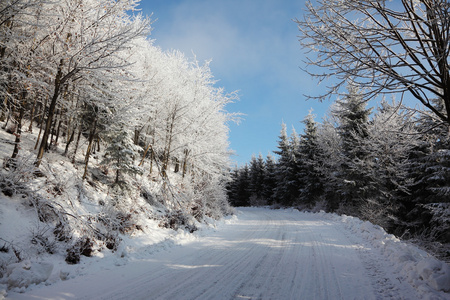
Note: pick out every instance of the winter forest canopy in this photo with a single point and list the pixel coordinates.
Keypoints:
(83, 84)
(389, 164)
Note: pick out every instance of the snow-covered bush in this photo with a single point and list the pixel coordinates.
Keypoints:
(178, 219)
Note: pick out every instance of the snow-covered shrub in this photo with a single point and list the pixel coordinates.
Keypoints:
(15, 176)
(440, 220)
(320, 205)
(83, 246)
(116, 220)
(41, 239)
(178, 220)
(62, 232)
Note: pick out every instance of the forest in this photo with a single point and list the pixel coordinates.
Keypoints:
(103, 128)
(389, 165)
(103, 132)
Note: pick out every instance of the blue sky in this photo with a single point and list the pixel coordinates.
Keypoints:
(254, 48)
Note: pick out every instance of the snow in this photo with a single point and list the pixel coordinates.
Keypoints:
(26, 273)
(256, 254)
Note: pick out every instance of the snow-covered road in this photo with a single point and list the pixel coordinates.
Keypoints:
(264, 254)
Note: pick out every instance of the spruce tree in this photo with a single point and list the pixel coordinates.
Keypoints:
(270, 179)
(280, 191)
(428, 203)
(120, 153)
(256, 175)
(353, 119)
(390, 137)
(286, 192)
(312, 187)
(243, 190)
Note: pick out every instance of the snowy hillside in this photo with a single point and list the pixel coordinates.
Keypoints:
(55, 226)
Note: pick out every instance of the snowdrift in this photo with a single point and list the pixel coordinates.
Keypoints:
(418, 267)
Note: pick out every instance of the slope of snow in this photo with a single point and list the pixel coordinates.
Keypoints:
(260, 254)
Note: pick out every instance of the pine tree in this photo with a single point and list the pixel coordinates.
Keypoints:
(328, 162)
(257, 172)
(232, 186)
(280, 191)
(353, 119)
(427, 204)
(312, 186)
(120, 153)
(242, 197)
(270, 179)
(390, 138)
(286, 192)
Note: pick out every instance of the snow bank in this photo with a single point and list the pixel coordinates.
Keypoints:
(26, 273)
(418, 267)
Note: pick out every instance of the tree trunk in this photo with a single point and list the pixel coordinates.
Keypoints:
(51, 112)
(19, 127)
(53, 131)
(169, 135)
(59, 81)
(89, 148)
(30, 128)
(186, 153)
(59, 127)
(80, 131)
(41, 122)
(72, 136)
(145, 154)
(177, 165)
(11, 112)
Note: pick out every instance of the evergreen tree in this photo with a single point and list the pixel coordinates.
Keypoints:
(312, 187)
(353, 119)
(270, 179)
(429, 169)
(390, 137)
(232, 186)
(257, 172)
(120, 153)
(282, 167)
(242, 188)
(286, 191)
(328, 162)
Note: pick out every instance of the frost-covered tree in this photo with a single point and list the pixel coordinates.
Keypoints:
(429, 170)
(390, 138)
(241, 195)
(328, 162)
(256, 174)
(311, 188)
(353, 117)
(120, 153)
(287, 189)
(383, 46)
(270, 179)
(81, 40)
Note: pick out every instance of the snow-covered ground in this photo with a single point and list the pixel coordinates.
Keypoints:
(258, 254)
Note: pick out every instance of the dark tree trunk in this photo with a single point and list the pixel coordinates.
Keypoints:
(89, 148)
(59, 81)
(41, 123)
(33, 108)
(80, 131)
(19, 127)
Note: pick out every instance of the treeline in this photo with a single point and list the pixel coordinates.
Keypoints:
(85, 75)
(391, 167)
